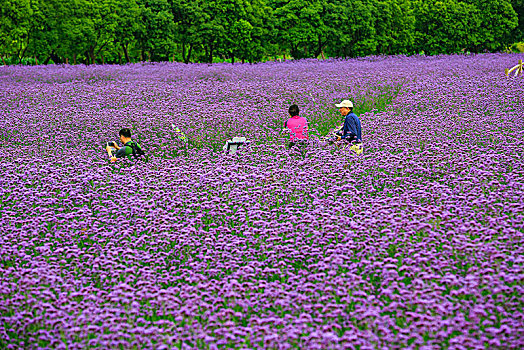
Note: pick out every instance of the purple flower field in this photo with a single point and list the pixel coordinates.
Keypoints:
(417, 243)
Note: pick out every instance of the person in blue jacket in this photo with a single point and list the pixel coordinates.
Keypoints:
(352, 130)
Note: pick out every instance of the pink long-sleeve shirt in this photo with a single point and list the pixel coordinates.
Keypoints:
(298, 127)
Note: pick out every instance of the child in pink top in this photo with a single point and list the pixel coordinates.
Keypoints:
(297, 125)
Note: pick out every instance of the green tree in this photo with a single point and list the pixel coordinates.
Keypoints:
(394, 26)
(498, 20)
(357, 32)
(445, 26)
(92, 31)
(210, 30)
(244, 32)
(518, 32)
(52, 38)
(104, 21)
(227, 28)
(128, 25)
(186, 19)
(202, 26)
(306, 28)
(156, 35)
(90, 28)
(15, 27)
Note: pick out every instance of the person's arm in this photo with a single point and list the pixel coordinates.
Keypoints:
(345, 127)
(359, 131)
(109, 153)
(349, 127)
(115, 146)
(338, 130)
(121, 153)
(306, 130)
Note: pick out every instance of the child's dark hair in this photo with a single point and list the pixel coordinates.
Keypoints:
(293, 110)
(125, 132)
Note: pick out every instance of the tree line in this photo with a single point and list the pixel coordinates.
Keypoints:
(120, 31)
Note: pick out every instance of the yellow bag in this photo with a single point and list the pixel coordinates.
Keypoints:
(357, 148)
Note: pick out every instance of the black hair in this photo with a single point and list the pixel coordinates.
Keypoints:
(125, 132)
(293, 110)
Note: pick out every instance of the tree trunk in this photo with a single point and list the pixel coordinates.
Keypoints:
(3, 61)
(320, 46)
(36, 61)
(46, 62)
(188, 57)
(211, 54)
(232, 58)
(99, 52)
(92, 55)
(74, 58)
(56, 59)
(20, 56)
(119, 57)
(126, 53)
(67, 60)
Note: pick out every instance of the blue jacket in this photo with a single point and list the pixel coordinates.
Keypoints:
(352, 127)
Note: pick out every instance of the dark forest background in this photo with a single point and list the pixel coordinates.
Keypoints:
(120, 31)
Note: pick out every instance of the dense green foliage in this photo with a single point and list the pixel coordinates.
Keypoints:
(119, 31)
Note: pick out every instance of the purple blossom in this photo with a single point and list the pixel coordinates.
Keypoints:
(417, 243)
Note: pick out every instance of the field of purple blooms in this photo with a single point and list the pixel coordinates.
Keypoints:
(417, 243)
